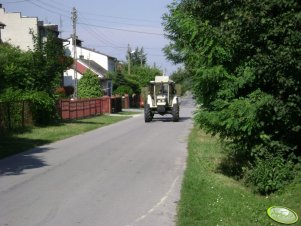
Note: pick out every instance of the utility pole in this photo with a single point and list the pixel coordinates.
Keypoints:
(74, 20)
(129, 59)
(61, 27)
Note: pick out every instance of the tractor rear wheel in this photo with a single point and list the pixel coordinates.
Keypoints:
(175, 113)
(147, 113)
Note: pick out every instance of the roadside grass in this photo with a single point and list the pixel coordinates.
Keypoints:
(35, 136)
(210, 198)
(129, 113)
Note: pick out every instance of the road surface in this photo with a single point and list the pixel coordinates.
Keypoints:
(126, 174)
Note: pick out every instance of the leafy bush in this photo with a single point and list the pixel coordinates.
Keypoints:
(42, 105)
(270, 174)
(120, 79)
(89, 86)
(121, 90)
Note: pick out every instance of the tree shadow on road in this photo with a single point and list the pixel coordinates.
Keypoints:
(16, 164)
(169, 119)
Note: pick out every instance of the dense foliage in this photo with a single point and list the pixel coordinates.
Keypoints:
(120, 79)
(33, 75)
(42, 107)
(137, 57)
(142, 75)
(40, 69)
(123, 89)
(89, 86)
(136, 78)
(245, 57)
(183, 78)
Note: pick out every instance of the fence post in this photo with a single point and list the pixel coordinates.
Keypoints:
(8, 114)
(23, 114)
(110, 104)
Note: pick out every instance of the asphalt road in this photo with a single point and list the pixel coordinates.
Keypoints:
(126, 174)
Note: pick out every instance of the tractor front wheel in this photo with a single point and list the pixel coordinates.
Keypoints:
(175, 113)
(147, 113)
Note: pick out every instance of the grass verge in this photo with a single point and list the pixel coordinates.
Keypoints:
(129, 113)
(35, 136)
(210, 198)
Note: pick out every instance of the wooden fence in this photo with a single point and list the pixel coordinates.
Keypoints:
(82, 108)
(14, 115)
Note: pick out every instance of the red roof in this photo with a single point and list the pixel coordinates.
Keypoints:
(81, 68)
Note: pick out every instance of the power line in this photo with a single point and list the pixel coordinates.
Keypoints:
(54, 7)
(86, 18)
(118, 17)
(49, 10)
(15, 2)
(121, 23)
(102, 15)
(60, 11)
(124, 47)
(120, 29)
(98, 37)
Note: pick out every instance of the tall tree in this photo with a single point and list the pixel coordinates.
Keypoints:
(143, 74)
(49, 63)
(40, 69)
(245, 57)
(14, 68)
(139, 74)
(137, 56)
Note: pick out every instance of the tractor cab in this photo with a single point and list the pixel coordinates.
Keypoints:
(161, 99)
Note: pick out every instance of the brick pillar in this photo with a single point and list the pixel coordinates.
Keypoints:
(106, 104)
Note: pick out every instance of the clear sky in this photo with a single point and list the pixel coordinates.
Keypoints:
(107, 26)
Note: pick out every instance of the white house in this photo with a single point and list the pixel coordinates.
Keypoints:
(19, 30)
(95, 61)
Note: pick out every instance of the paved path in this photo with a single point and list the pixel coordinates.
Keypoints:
(125, 174)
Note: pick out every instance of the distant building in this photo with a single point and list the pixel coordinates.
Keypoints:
(89, 59)
(19, 29)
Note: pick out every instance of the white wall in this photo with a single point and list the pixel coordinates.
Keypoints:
(107, 86)
(99, 58)
(105, 61)
(17, 29)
